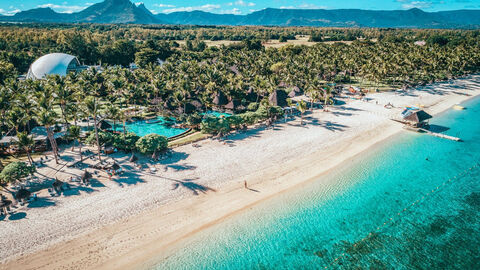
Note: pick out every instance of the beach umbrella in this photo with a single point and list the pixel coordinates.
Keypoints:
(86, 175)
(115, 166)
(104, 125)
(5, 203)
(57, 183)
(22, 194)
(133, 158)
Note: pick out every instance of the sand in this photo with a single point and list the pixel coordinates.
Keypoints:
(129, 222)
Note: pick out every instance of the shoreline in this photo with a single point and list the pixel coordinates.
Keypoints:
(167, 227)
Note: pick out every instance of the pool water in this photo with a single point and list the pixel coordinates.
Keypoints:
(142, 127)
(411, 203)
(217, 114)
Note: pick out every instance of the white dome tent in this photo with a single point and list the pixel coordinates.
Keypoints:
(54, 63)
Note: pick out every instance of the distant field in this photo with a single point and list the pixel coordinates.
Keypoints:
(273, 43)
(300, 40)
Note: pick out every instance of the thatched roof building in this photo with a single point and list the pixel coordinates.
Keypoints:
(278, 98)
(251, 95)
(104, 125)
(220, 99)
(233, 105)
(416, 117)
(295, 92)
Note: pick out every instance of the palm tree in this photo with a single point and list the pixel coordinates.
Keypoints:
(27, 143)
(47, 119)
(74, 132)
(314, 95)
(302, 107)
(112, 111)
(92, 108)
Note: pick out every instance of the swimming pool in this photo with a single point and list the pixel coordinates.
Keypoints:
(217, 114)
(159, 125)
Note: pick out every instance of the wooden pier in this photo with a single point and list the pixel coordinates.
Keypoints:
(435, 134)
(440, 135)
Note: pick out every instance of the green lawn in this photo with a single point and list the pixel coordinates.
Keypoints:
(195, 136)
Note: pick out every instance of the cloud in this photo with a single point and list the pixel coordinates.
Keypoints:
(163, 5)
(10, 12)
(242, 3)
(235, 11)
(304, 6)
(64, 8)
(421, 4)
(206, 7)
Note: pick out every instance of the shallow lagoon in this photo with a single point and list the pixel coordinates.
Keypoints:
(355, 217)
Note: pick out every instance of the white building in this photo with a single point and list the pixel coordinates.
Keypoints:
(54, 64)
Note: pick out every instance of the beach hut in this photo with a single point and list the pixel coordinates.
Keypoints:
(416, 118)
(251, 95)
(220, 99)
(104, 125)
(295, 92)
(278, 98)
(233, 105)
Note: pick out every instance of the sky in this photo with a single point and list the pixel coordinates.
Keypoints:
(9, 7)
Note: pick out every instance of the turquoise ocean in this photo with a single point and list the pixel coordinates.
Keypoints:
(413, 202)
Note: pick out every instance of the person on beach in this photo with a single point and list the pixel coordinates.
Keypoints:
(245, 183)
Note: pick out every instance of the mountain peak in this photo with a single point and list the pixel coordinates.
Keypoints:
(124, 11)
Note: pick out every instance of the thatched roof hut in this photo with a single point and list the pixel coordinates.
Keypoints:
(233, 105)
(278, 98)
(220, 99)
(251, 95)
(188, 108)
(5, 203)
(416, 117)
(104, 125)
(295, 92)
(22, 194)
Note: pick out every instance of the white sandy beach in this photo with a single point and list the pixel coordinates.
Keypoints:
(126, 222)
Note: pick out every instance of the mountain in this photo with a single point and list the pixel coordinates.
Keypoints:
(108, 11)
(38, 14)
(124, 11)
(412, 18)
(115, 11)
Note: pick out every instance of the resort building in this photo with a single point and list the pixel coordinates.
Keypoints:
(54, 64)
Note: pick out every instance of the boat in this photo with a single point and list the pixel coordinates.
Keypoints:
(458, 107)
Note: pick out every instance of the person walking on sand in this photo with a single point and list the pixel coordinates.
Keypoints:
(245, 183)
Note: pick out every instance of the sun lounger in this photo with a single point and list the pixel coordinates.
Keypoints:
(32, 199)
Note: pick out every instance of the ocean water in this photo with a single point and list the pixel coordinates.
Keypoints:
(411, 203)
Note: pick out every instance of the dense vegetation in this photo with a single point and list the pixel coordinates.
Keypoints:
(195, 74)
